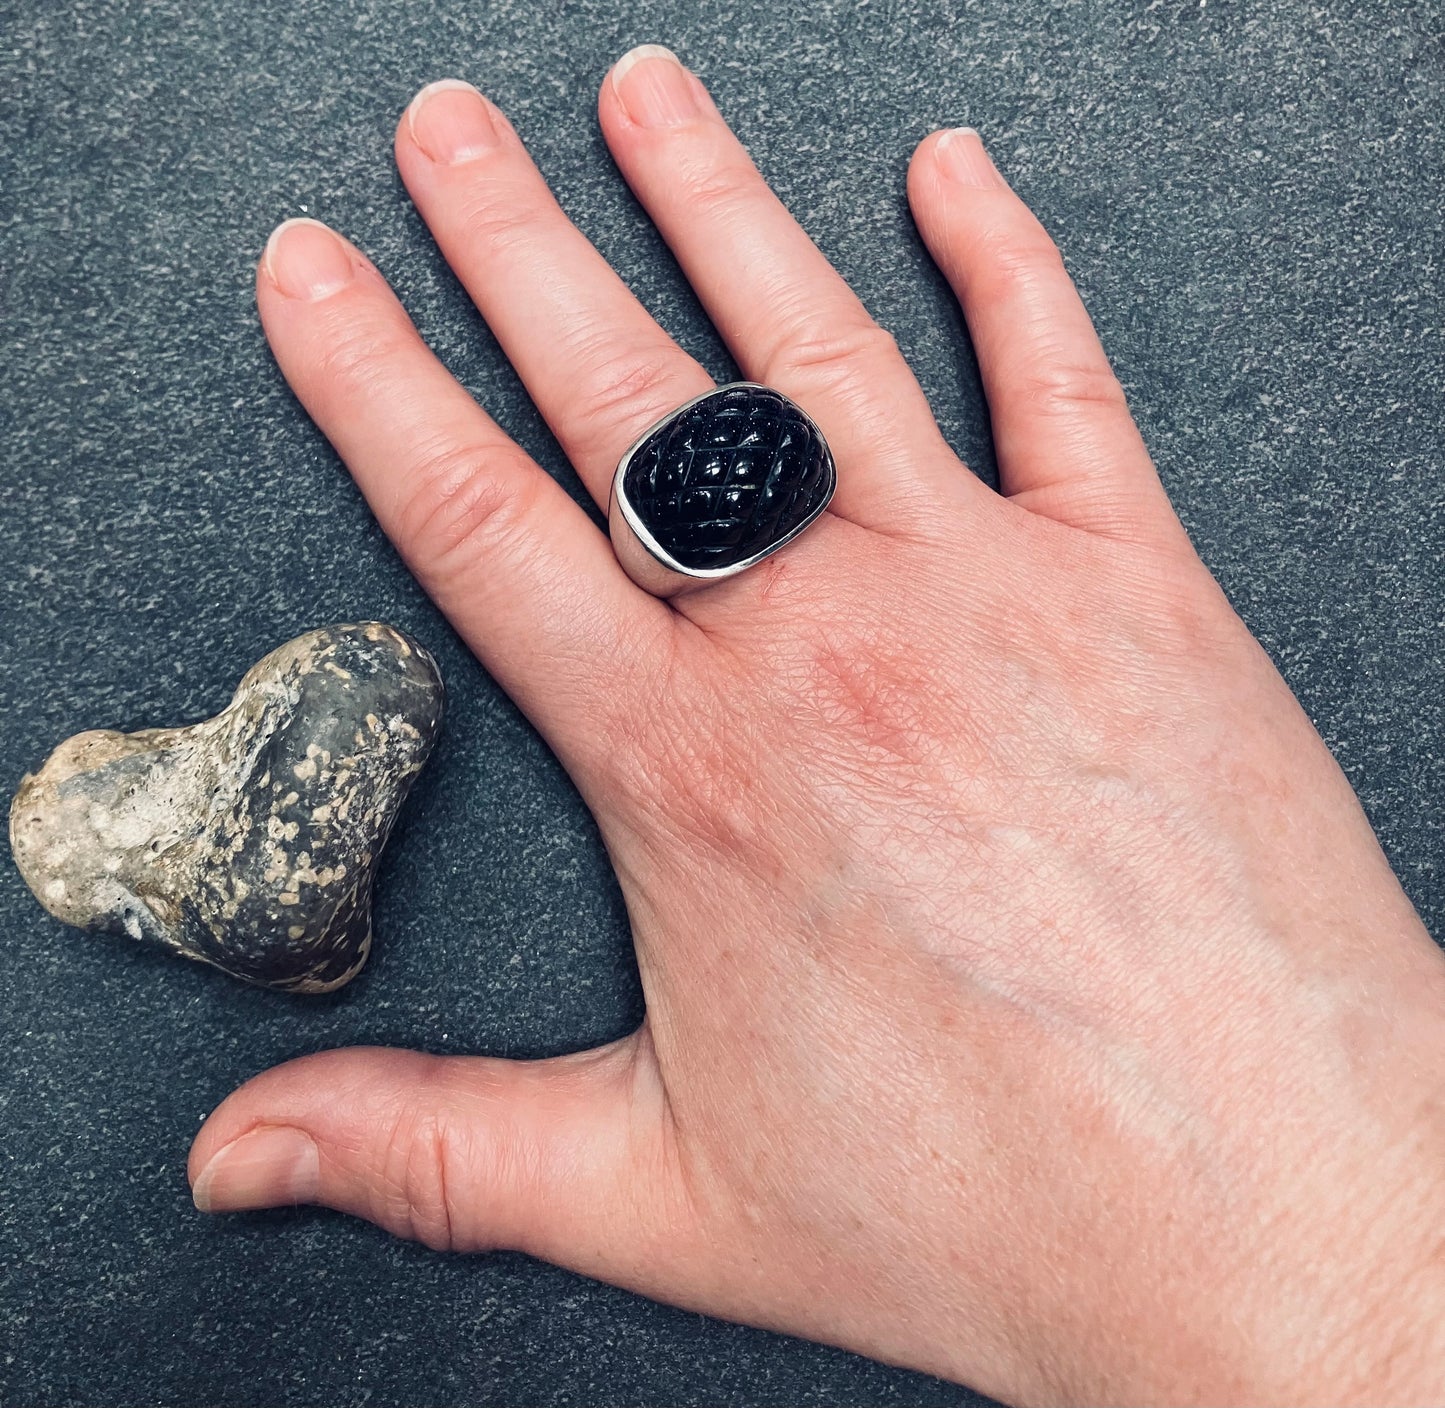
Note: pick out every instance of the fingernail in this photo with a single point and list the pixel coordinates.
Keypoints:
(272, 1165)
(962, 157)
(451, 122)
(655, 89)
(305, 260)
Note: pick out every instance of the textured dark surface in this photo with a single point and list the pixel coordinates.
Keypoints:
(1249, 197)
(730, 478)
(250, 840)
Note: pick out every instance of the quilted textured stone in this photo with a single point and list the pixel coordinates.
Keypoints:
(730, 478)
(249, 840)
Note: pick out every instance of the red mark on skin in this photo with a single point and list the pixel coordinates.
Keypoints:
(775, 569)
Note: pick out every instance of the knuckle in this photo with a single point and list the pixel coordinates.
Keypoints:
(1060, 384)
(687, 793)
(1171, 618)
(1015, 262)
(1025, 273)
(421, 1166)
(359, 355)
(832, 355)
(627, 391)
(1190, 615)
(498, 221)
(634, 742)
(449, 1179)
(464, 501)
(844, 363)
(425, 1183)
(716, 185)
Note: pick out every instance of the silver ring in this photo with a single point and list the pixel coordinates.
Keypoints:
(716, 486)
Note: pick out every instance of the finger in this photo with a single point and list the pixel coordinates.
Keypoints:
(788, 317)
(527, 580)
(1067, 445)
(593, 359)
(565, 1159)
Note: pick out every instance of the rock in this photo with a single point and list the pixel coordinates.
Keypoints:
(249, 840)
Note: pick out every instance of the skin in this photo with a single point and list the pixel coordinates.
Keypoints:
(1029, 1001)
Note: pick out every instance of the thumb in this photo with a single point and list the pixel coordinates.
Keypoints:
(566, 1158)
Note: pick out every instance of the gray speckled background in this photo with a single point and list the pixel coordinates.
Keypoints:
(1249, 196)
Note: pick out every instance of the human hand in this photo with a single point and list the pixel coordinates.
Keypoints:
(1028, 999)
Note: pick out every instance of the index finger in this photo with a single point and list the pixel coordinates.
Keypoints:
(527, 580)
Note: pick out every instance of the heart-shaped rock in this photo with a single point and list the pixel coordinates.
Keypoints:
(249, 840)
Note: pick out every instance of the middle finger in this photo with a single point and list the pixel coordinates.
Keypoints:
(597, 365)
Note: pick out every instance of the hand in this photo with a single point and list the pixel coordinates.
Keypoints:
(1028, 999)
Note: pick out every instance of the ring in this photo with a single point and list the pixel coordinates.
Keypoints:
(716, 486)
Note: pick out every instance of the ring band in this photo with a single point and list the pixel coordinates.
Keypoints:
(716, 486)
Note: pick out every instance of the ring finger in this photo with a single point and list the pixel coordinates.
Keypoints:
(789, 318)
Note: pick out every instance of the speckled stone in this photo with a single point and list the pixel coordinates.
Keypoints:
(250, 840)
(1249, 198)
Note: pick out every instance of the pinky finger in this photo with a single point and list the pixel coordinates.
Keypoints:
(1067, 445)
